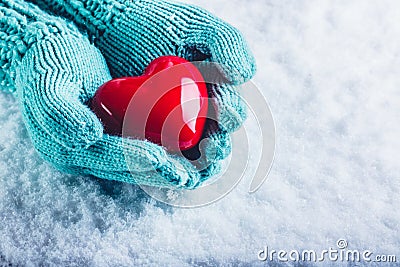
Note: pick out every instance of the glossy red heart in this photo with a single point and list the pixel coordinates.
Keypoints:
(167, 105)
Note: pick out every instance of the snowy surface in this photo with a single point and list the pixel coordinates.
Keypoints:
(331, 73)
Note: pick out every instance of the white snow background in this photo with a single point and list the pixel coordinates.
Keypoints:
(330, 71)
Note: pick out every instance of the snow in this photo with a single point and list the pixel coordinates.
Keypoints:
(330, 72)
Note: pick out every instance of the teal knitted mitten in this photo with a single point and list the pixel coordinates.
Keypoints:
(130, 34)
(56, 71)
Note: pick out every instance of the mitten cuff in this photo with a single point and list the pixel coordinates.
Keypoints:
(21, 26)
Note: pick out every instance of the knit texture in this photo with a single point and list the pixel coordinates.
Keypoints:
(130, 34)
(56, 70)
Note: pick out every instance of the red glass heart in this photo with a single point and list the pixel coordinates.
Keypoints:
(167, 105)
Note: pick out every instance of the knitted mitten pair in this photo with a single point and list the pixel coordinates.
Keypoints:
(55, 70)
